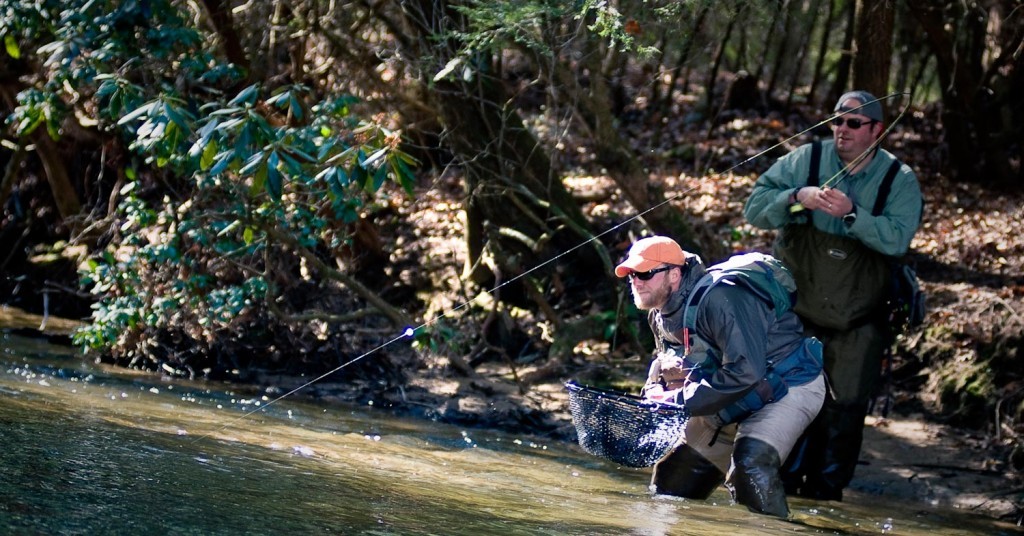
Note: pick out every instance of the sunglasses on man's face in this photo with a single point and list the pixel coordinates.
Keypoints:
(646, 276)
(852, 122)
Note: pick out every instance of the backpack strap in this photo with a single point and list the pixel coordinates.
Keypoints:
(812, 172)
(885, 188)
(690, 306)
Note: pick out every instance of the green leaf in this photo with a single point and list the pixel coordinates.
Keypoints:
(280, 99)
(373, 158)
(274, 183)
(177, 117)
(403, 174)
(246, 96)
(223, 161)
(359, 175)
(137, 113)
(11, 44)
(29, 124)
(290, 164)
(296, 107)
(247, 236)
(231, 227)
(379, 177)
(259, 179)
(341, 178)
(448, 68)
(208, 154)
(251, 163)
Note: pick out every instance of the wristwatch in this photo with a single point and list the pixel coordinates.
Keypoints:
(848, 219)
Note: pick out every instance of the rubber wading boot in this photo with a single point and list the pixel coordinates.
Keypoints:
(755, 481)
(686, 473)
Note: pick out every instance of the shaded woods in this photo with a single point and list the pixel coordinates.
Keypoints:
(249, 190)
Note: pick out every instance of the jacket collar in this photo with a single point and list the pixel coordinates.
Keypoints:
(677, 300)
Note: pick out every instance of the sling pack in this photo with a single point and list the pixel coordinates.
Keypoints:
(845, 283)
(764, 275)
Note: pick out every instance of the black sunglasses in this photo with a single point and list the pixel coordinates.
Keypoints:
(646, 276)
(853, 123)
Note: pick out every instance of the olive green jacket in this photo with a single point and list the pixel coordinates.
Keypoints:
(890, 233)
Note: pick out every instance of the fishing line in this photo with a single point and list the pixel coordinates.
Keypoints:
(410, 331)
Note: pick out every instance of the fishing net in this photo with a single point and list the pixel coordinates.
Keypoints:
(624, 428)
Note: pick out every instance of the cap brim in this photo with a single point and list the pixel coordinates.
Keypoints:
(635, 264)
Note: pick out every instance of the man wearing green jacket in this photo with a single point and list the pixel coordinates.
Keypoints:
(845, 208)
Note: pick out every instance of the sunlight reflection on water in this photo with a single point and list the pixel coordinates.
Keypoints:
(89, 449)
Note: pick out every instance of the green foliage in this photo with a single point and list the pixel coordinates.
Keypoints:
(546, 26)
(239, 165)
(251, 172)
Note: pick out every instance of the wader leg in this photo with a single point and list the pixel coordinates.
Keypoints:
(829, 456)
(843, 434)
(686, 473)
(754, 480)
(806, 457)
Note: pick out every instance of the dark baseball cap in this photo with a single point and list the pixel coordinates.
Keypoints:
(869, 107)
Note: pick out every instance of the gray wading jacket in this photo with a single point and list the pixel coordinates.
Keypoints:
(734, 322)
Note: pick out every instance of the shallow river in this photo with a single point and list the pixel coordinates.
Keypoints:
(94, 450)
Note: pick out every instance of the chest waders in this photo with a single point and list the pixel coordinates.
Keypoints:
(844, 287)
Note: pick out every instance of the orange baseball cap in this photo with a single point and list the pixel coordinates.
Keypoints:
(648, 253)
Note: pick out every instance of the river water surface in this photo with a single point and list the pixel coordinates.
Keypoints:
(86, 449)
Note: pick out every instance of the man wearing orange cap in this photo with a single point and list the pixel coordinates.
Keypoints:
(737, 342)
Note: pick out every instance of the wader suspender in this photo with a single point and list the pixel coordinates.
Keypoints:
(883, 189)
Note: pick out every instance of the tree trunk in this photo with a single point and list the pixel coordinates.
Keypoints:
(519, 213)
(976, 102)
(594, 105)
(810, 20)
(220, 18)
(842, 78)
(684, 57)
(826, 31)
(64, 194)
(763, 65)
(709, 85)
(873, 49)
(780, 55)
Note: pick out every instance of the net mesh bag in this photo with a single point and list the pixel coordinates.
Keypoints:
(624, 428)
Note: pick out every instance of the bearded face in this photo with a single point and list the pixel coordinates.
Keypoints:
(653, 293)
